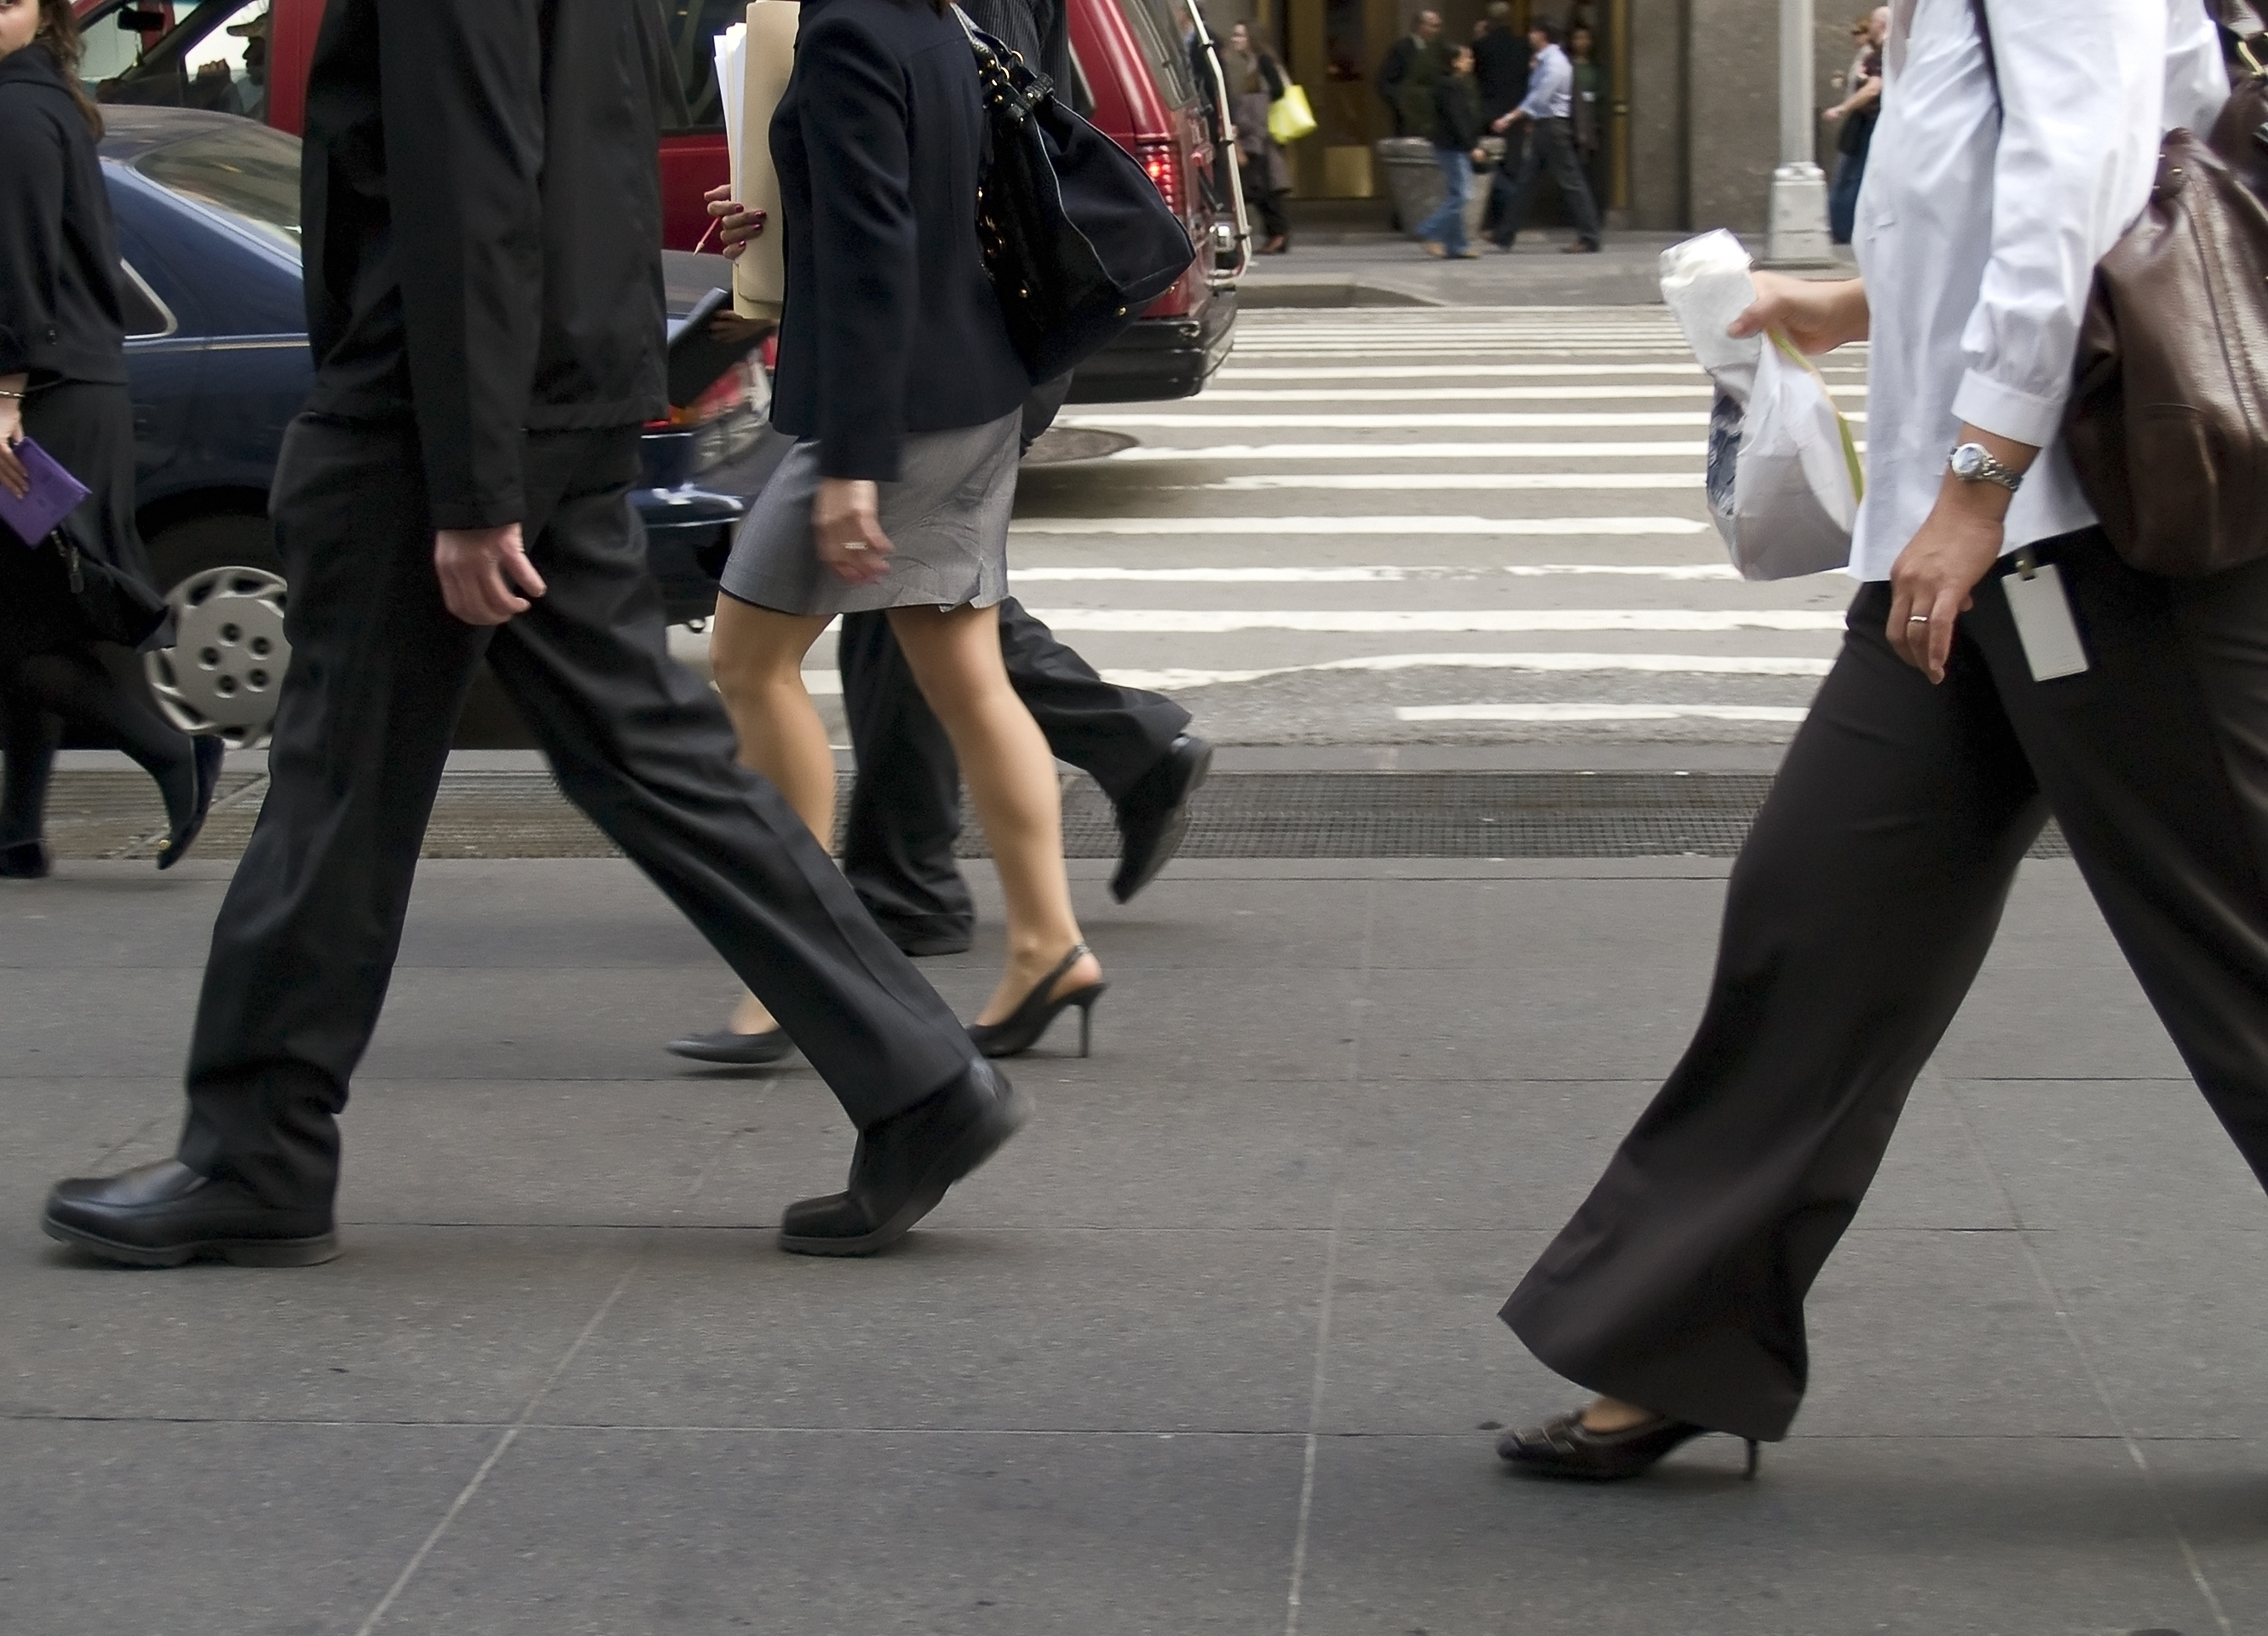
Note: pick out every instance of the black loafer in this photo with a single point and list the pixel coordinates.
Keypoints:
(904, 1165)
(25, 860)
(735, 1051)
(163, 1214)
(1155, 814)
(1567, 1448)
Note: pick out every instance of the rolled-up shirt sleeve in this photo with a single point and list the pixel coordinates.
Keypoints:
(2082, 90)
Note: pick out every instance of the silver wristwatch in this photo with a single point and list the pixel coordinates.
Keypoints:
(1973, 463)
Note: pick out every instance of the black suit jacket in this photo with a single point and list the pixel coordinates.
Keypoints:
(483, 229)
(59, 313)
(1501, 60)
(890, 324)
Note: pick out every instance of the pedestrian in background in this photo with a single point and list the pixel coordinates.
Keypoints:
(73, 606)
(1406, 77)
(1856, 115)
(897, 495)
(1547, 113)
(1456, 149)
(1586, 111)
(486, 353)
(1261, 164)
(1501, 56)
(1869, 890)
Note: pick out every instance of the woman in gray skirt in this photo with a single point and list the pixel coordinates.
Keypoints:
(897, 377)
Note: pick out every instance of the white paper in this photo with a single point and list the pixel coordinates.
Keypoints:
(732, 81)
(1705, 284)
(2044, 625)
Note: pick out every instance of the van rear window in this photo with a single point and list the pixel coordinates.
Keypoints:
(1163, 38)
(693, 27)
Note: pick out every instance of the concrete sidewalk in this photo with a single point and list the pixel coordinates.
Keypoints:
(1211, 1348)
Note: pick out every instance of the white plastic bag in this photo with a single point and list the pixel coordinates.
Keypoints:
(1784, 478)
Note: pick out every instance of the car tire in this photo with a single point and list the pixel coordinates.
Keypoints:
(181, 551)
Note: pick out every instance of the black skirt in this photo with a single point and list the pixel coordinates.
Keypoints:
(88, 428)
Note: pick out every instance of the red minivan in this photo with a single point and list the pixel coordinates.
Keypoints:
(1135, 79)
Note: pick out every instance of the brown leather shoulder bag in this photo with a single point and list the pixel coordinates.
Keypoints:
(2168, 422)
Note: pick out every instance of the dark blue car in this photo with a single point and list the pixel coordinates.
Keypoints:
(208, 210)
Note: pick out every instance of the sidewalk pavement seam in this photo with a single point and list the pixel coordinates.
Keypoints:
(2101, 1389)
(1358, 1008)
(520, 1421)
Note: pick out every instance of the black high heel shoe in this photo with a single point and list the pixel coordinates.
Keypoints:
(1020, 1029)
(208, 751)
(1567, 1448)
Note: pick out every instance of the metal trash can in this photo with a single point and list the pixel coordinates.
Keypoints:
(1413, 181)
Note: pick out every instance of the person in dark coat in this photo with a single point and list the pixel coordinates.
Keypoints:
(1406, 78)
(903, 819)
(72, 604)
(1501, 59)
(1456, 148)
(484, 297)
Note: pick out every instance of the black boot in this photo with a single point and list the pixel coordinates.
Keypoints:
(904, 1166)
(163, 1214)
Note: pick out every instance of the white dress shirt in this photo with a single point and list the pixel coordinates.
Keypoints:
(1550, 85)
(1980, 223)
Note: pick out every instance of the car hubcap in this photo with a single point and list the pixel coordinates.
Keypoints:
(226, 665)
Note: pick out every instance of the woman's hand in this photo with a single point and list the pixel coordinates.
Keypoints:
(13, 477)
(737, 225)
(845, 522)
(1932, 581)
(1818, 316)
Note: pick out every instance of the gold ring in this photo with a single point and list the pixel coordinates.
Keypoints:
(1911, 619)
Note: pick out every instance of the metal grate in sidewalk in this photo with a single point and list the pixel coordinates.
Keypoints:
(1249, 814)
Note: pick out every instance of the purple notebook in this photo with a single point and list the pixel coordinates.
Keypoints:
(54, 495)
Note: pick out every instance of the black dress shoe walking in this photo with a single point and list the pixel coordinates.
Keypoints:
(163, 1214)
(209, 753)
(735, 1051)
(1567, 1448)
(904, 1166)
(25, 860)
(1155, 814)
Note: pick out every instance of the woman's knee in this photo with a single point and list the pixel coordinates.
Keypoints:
(754, 650)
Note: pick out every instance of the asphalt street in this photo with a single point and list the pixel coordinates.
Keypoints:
(1409, 526)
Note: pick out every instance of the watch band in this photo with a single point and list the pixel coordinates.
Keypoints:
(1973, 463)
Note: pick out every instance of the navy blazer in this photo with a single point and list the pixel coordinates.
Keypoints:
(890, 324)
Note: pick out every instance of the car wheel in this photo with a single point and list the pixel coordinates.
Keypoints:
(225, 669)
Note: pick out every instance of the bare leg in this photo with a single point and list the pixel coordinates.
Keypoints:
(955, 656)
(757, 656)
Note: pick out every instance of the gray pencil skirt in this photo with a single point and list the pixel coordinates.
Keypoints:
(947, 515)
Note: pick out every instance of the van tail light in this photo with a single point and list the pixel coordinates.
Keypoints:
(1162, 162)
(728, 392)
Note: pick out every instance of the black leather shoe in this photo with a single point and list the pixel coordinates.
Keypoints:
(163, 1214)
(735, 1051)
(1567, 1448)
(1155, 814)
(904, 1166)
(209, 753)
(25, 860)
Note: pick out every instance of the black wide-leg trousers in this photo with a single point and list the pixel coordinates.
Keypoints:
(305, 941)
(905, 805)
(1857, 916)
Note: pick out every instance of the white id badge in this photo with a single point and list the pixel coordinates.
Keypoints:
(2044, 623)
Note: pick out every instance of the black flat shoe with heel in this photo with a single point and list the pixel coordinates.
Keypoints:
(209, 753)
(1021, 1028)
(1567, 1448)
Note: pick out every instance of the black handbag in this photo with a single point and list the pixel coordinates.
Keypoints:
(1076, 238)
(116, 607)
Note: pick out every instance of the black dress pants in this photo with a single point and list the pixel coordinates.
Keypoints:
(1857, 916)
(305, 941)
(905, 805)
(1550, 146)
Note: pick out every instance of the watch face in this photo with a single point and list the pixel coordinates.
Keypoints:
(1969, 462)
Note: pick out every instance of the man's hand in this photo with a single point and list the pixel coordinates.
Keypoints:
(737, 225)
(846, 524)
(1508, 122)
(479, 568)
(1816, 315)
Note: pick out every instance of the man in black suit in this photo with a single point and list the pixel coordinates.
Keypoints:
(455, 488)
(1406, 77)
(1501, 59)
(905, 806)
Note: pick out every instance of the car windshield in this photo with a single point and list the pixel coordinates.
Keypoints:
(245, 172)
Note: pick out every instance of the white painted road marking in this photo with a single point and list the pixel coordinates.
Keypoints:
(1217, 621)
(1368, 574)
(1601, 713)
(1184, 526)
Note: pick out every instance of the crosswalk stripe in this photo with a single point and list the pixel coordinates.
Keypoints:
(1235, 371)
(1478, 394)
(1373, 574)
(1343, 453)
(1602, 664)
(1184, 526)
(1375, 620)
(1505, 421)
(1403, 482)
(1600, 713)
